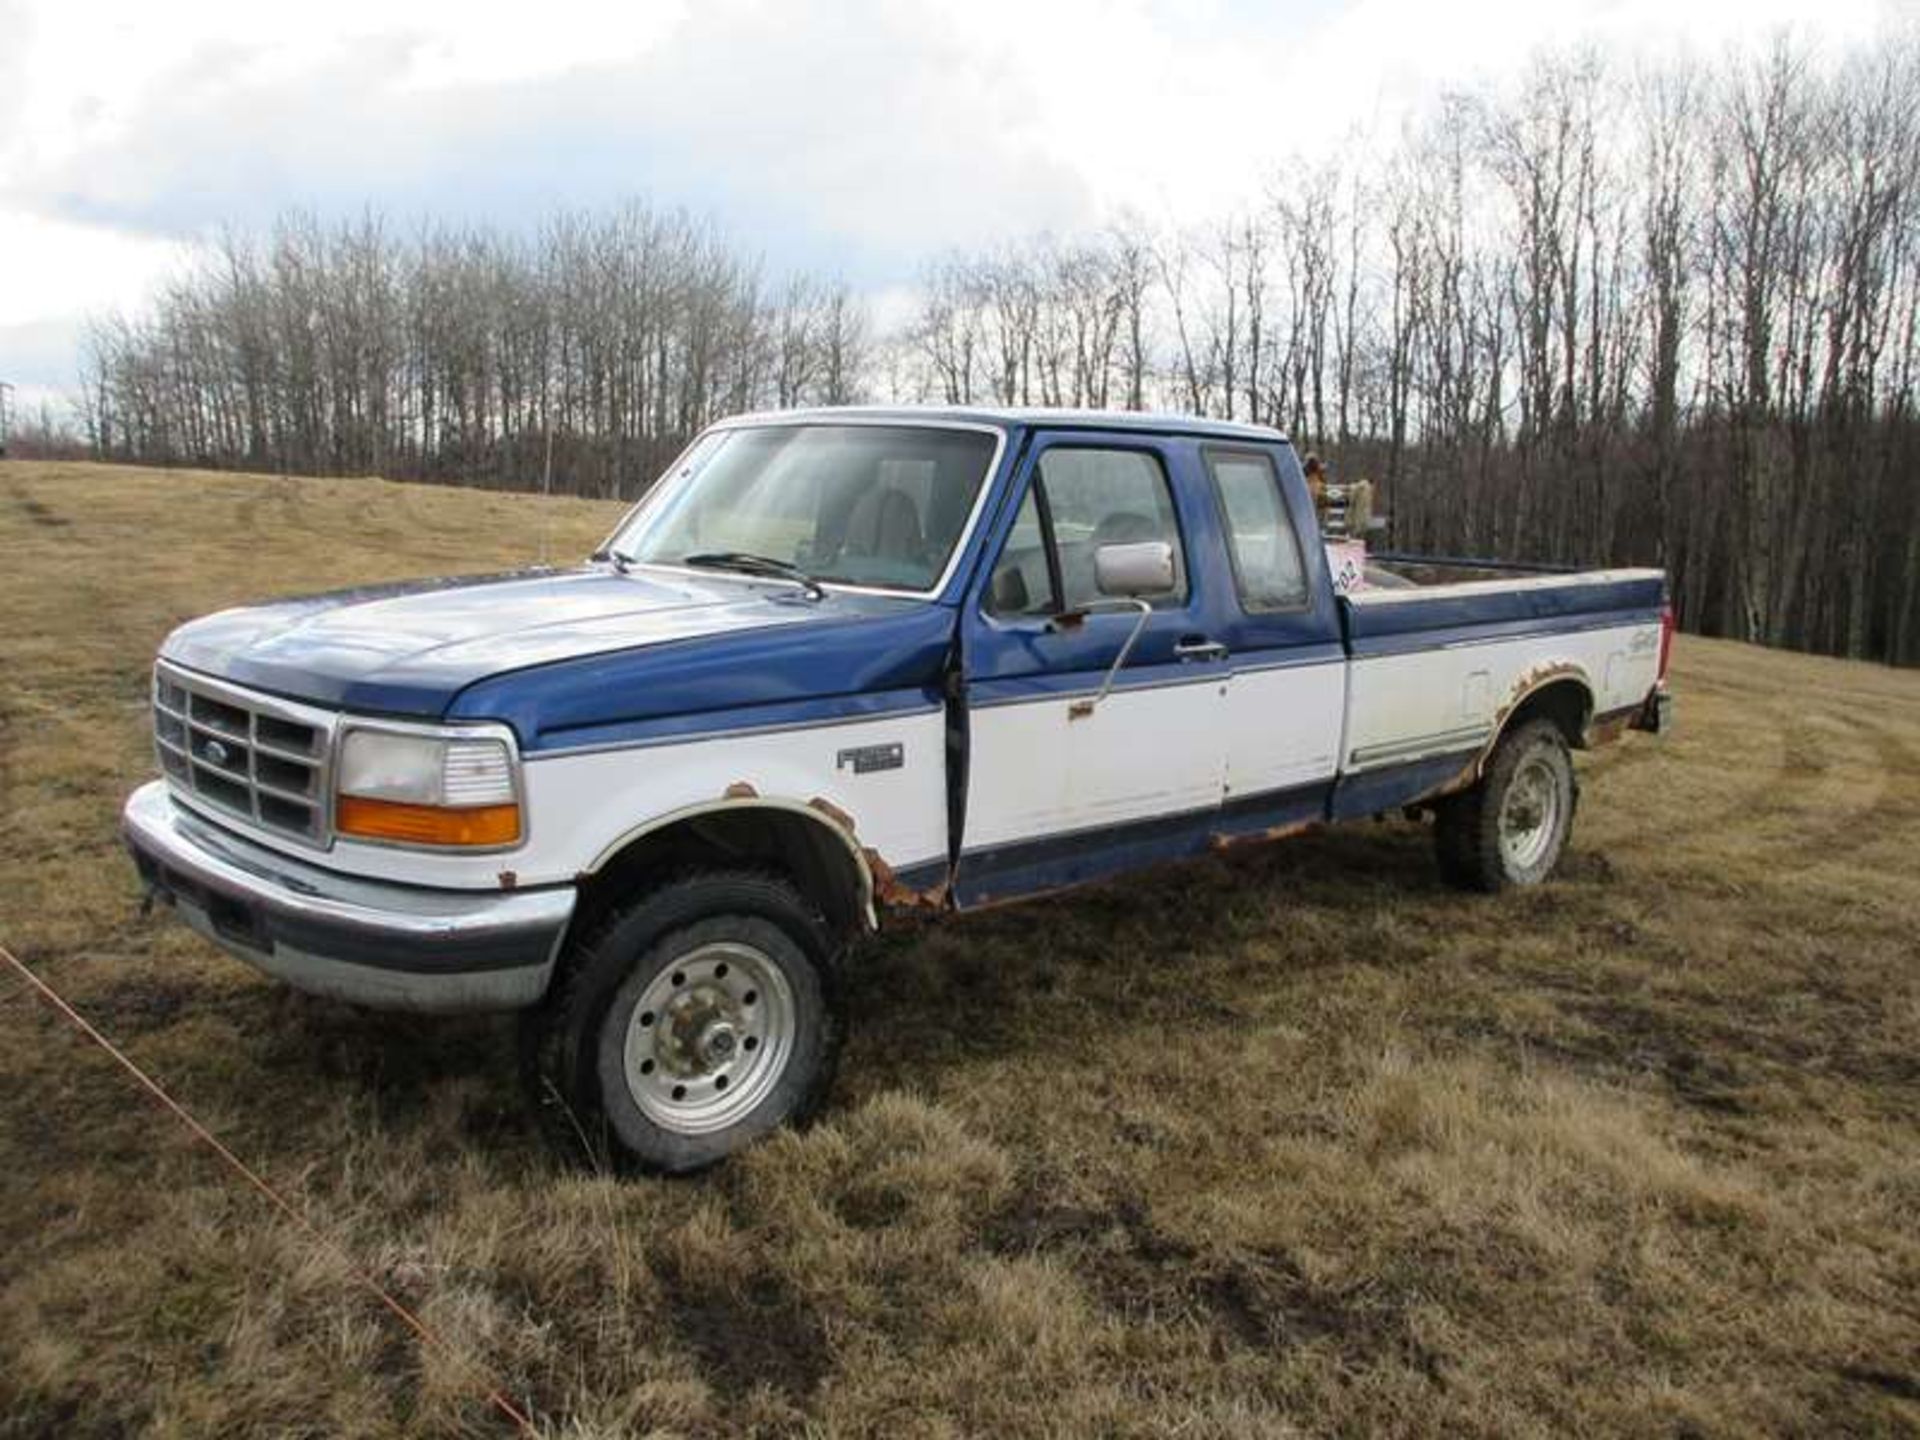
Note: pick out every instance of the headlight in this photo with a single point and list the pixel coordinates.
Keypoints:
(426, 790)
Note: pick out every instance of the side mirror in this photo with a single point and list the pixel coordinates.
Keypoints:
(1129, 572)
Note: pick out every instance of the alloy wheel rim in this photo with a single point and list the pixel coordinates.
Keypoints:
(1530, 813)
(710, 1036)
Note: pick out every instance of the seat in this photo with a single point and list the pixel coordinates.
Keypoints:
(885, 525)
(1124, 527)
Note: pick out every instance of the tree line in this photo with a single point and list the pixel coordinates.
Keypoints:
(1660, 314)
(598, 345)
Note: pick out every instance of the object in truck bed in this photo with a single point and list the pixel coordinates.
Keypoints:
(1348, 510)
(1347, 561)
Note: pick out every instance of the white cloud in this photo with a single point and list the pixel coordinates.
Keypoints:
(861, 135)
(54, 267)
(54, 276)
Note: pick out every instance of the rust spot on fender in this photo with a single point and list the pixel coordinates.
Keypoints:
(1219, 842)
(1464, 779)
(740, 790)
(890, 893)
(509, 879)
(1530, 680)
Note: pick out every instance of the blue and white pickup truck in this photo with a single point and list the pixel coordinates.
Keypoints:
(839, 666)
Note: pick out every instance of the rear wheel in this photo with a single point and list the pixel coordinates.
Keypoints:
(691, 1022)
(1511, 828)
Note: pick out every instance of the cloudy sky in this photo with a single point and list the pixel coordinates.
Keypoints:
(857, 136)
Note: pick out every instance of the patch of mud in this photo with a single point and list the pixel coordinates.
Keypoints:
(1618, 1041)
(39, 514)
(746, 1336)
(1260, 1300)
(1887, 1382)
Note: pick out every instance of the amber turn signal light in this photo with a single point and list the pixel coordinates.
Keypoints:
(426, 824)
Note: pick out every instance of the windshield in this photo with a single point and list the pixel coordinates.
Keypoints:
(879, 505)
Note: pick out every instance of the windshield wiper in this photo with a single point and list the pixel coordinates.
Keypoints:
(748, 563)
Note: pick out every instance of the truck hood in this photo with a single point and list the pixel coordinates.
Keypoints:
(409, 649)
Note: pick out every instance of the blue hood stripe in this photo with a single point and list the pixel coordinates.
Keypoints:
(885, 657)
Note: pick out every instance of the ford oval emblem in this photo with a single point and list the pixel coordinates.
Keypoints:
(216, 752)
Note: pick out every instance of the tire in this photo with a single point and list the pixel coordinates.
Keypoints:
(686, 1025)
(1482, 836)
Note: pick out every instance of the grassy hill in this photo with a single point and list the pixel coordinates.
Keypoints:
(1295, 1141)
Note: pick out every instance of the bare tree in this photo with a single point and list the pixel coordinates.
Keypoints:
(1671, 316)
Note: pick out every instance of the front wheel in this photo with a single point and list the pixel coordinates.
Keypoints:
(1511, 828)
(691, 1022)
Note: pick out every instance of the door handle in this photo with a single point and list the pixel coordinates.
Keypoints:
(1198, 647)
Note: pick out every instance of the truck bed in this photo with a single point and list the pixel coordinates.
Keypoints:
(1426, 571)
(1438, 664)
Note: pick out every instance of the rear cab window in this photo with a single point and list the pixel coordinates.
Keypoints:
(1268, 571)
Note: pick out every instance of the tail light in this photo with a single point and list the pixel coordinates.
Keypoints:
(1666, 637)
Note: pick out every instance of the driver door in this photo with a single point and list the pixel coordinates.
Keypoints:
(1059, 791)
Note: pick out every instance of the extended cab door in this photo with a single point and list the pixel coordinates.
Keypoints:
(1056, 792)
(1286, 703)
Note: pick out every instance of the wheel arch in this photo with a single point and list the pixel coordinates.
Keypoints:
(814, 847)
(1564, 696)
(1562, 693)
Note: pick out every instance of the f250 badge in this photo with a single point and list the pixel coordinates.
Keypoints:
(865, 759)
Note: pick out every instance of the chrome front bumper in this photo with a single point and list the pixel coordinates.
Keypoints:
(393, 947)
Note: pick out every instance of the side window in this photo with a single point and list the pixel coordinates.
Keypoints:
(1107, 497)
(1092, 498)
(1020, 584)
(1266, 551)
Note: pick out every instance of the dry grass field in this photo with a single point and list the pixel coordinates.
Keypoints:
(1297, 1142)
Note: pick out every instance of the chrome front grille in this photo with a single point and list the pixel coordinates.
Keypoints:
(253, 757)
